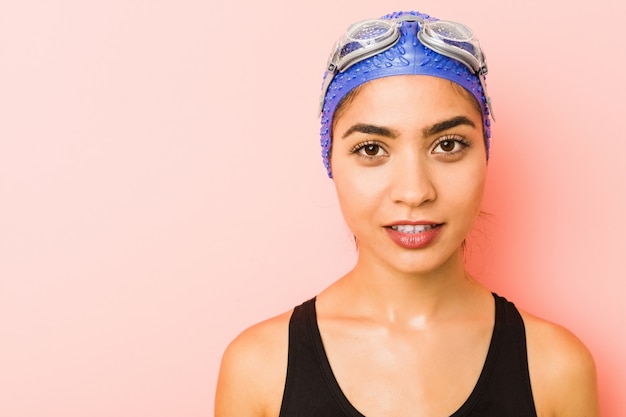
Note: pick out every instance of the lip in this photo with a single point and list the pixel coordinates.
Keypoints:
(412, 223)
(414, 240)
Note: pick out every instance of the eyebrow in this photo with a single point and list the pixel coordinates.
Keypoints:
(371, 130)
(447, 124)
(392, 134)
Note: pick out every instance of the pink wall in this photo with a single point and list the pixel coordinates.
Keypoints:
(161, 186)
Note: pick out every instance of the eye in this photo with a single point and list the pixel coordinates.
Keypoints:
(450, 145)
(369, 150)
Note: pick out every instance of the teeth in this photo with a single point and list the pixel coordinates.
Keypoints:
(406, 228)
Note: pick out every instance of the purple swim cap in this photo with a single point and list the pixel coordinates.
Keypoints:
(407, 57)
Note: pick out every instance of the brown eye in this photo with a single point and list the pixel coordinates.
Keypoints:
(447, 145)
(450, 146)
(371, 150)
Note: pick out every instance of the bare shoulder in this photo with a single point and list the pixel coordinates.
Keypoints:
(253, 370)
(562, 370)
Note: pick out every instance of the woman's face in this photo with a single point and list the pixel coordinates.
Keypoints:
(409, 167)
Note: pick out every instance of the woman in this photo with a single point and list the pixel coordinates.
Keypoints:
(407, 332)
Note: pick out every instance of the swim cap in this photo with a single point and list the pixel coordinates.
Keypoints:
(407, 57)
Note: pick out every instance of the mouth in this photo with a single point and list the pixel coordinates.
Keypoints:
(413, 228)
(414, 236)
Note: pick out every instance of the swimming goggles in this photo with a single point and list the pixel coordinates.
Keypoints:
(370, 37)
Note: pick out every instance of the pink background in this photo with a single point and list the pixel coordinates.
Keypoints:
(161, 186)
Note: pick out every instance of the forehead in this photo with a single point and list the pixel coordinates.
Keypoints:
(418, 99)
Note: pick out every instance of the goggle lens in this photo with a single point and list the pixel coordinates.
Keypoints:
(371, 30)
(452, 33)
(363, 36)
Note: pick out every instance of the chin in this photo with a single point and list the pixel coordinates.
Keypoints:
(425, 262)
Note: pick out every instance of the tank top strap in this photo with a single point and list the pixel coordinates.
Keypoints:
(503, 388)
(308, 391)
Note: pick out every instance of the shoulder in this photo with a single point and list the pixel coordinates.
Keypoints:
(562, 370)
(253, 370)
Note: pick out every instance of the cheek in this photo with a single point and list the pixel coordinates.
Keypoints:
(359, 196)
(349, 204)
(467, 192)
(352, 194)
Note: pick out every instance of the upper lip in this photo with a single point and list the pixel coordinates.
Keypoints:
(411, 223)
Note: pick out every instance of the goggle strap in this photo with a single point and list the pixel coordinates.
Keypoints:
(481, 78)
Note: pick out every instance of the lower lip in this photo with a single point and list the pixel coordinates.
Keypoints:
(414, 240)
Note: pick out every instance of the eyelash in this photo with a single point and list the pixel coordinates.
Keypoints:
(451, 138)
(457, 140)
(362, 145)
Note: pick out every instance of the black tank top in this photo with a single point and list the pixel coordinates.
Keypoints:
(503, 388)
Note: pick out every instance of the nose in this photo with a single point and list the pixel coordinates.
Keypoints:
(412, 182)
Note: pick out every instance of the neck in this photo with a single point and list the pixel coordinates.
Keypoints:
(384, 293)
